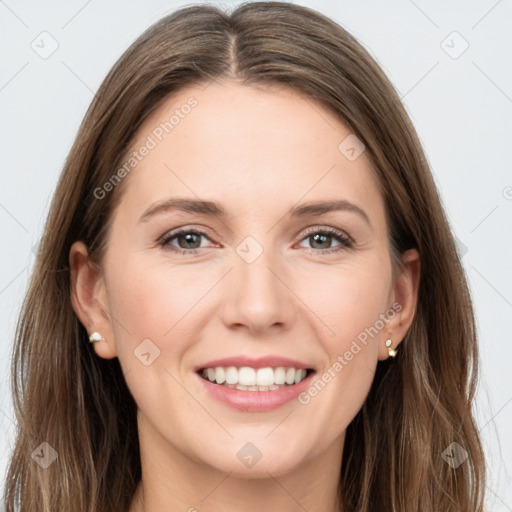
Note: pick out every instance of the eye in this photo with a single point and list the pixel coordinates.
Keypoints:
(321, 240)
(188, 241)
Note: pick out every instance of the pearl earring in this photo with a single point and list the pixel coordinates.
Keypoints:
(391, 351)
(96, 336)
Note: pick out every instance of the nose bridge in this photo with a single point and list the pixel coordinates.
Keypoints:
(259, 298)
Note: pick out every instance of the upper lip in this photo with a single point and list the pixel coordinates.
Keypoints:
(258, 362)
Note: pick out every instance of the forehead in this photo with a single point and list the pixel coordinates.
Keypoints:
(245, 145)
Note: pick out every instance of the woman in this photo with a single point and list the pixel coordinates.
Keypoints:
(247, 295)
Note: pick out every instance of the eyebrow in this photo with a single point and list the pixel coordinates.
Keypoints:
(210, 208)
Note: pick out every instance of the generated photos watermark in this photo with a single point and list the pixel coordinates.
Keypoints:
(151, 142)
(344, 359)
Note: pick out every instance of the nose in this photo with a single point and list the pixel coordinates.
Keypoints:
(258, 297)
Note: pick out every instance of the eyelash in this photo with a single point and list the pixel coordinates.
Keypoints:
(346, 241)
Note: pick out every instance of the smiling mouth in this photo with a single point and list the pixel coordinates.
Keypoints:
(255, 379)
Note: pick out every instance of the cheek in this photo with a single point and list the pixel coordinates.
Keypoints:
(347, 299)
(156, 316)
(349, 303)
(157, 302)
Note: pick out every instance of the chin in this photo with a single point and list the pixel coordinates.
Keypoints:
(255, 460)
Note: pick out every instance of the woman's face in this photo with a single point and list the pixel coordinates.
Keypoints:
(266, 279)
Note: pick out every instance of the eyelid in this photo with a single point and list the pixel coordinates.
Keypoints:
(346, 240)
(187, 228)
(327, 229)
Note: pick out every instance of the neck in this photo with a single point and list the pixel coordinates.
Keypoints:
(233, 501)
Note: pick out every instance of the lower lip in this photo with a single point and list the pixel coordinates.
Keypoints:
(256, 401)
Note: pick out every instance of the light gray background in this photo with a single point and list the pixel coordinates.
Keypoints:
(461, 107)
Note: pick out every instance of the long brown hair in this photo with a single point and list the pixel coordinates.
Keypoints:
(79, 404)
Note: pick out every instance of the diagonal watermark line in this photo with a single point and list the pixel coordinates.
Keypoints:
(420, 80)
(14, 76)
(279, 423)
(333, 333)
(495, 414)
(17, 426)
(485, 15)
(13, 13)
(318, 112)
(170, 170)
(502, 502)
(492, 211)
(305, 193)
(286, 490)
(75, 15)
(424, 13)
(103, 308)
(213, 78)
(208, 85)
(494, 288)
(492, 81)
(8, 417)
(216, 487)
(12, 280)
(77, 76)
(198, 301)
(13, 218)
(205, 409)
(402, 96)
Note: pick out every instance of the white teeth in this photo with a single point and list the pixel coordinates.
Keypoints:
(254, 388)
(299, 375)
(290, 376)
(247, 376)
(264, 377)
(252, 379)
(231, 375)
(279, 375)
(220, 375)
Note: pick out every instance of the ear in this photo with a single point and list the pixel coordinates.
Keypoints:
(89, 299)
(405, 299)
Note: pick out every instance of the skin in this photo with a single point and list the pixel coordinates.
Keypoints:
(257, 151)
